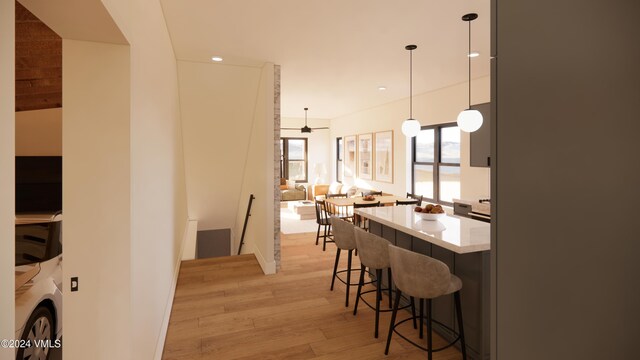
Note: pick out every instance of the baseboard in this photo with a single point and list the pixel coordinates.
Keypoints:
(172, 292)
(189, 244)
(268, 267)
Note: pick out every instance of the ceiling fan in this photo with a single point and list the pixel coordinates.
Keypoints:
(305, 129)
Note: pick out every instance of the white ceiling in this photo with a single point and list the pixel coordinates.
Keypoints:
(335, 53)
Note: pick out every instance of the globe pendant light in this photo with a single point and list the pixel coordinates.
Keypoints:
(411, 126)
(469, 120)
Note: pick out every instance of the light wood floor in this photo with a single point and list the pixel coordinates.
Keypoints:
(225, 308)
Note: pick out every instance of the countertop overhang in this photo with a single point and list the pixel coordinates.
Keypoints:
(458, 234)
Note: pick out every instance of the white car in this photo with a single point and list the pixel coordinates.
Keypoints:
(38, 285)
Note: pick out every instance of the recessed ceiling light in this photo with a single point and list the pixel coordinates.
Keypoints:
(473, 54)
(382, 88)
(216, 58)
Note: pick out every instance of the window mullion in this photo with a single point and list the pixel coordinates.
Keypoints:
(436, 165)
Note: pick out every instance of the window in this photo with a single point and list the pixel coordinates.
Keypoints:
(293, 159)
(339, 160)
(37, 242)
(436, 163)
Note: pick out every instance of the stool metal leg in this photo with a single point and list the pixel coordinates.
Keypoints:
(378, 298)
(393, 319)
(421, 301)
(350, 254)
(413, 312)
(335, 268)
(390, 283)
(463, 346)
(429, 329)
(327, 229)
(360, 282)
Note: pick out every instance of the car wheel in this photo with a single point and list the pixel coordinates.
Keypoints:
(37, 331)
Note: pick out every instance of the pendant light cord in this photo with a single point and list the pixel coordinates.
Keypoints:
(411, 84)
(469, 58)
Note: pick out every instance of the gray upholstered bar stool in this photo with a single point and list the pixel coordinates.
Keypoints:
(423, 277)
(374, 254)
(344, 239)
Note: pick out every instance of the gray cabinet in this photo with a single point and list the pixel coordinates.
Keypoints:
(481, 139)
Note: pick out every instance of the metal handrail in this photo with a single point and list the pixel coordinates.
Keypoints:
(246, 219)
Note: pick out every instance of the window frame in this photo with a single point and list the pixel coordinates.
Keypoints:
(339, 160)
(436, 164)
(284, 160)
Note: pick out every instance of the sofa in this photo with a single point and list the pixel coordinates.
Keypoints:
(319, 191)
(290, 191)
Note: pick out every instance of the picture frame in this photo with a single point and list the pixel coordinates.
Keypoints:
(350, 157)
(365, 156)
(383, 156)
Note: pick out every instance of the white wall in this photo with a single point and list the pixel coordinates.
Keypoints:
(319, 146)
(218, 104)
(39, 132)
(257, 179)
(158, 192)
(7, 177)
(227, 115)
(143, 194)
(96, 199)
(437, 107)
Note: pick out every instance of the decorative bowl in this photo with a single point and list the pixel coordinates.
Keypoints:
(430, 216)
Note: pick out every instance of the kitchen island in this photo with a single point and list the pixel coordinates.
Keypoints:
(461, 243)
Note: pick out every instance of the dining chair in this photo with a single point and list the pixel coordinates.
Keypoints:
(417, 197)
(339, 211)
(408, 202)
(371, 192)
(359, 220)
(322, 219)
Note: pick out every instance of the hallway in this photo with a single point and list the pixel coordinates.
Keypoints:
(225, 308)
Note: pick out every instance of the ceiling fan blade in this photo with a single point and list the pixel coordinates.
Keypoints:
(284, 128)
(320, 128)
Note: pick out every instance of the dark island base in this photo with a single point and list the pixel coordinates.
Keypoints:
(474, 271)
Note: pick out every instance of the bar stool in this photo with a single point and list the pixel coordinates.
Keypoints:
(423, 277)
(322, 219)
(374, 254)
(344, 239)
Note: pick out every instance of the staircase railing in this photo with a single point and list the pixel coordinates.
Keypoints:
(246, 219)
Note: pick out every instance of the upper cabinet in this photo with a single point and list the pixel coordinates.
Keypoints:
(481, 138)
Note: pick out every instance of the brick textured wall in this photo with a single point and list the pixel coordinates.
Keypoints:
(276, 164)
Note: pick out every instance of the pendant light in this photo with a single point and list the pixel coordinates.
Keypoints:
(469, 120)
(411, 126)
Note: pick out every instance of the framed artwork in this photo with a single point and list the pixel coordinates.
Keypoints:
(365, 156)
(384, 156)
(350, 156)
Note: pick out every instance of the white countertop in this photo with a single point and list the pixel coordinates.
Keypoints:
(458, 234)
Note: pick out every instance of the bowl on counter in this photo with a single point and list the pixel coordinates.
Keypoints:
(430, 216)
(434, 228)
